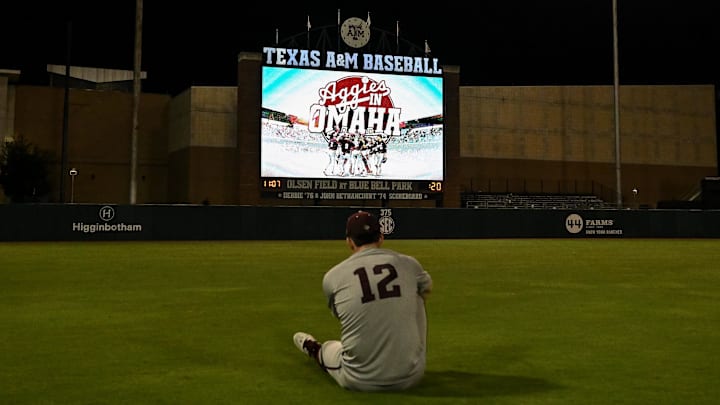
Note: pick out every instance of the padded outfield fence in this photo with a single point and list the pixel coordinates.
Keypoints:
(72, 222)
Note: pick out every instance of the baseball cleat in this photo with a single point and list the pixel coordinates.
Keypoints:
(303, 341)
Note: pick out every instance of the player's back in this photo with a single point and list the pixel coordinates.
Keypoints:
(374, 294)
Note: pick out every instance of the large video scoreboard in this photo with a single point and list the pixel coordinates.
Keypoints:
(351, 126)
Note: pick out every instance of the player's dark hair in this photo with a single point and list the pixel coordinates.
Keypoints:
(365, 239)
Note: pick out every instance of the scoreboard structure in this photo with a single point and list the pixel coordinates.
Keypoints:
(351, 125)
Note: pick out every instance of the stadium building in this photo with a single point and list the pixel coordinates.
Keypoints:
(501, 144)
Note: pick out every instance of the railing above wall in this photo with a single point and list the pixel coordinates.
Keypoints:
(534, 201)
(520, 186)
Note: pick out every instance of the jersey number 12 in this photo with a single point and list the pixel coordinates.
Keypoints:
(385, 290)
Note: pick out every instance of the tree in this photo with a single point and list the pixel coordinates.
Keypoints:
(24, 171)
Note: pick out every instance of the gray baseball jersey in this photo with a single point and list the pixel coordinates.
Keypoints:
(375, 293)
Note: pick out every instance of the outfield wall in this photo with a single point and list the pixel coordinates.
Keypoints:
(79, 222)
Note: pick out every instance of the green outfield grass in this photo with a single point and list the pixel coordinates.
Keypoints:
(511, 321)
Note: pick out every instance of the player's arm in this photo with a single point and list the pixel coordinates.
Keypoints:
(425, 285)
(330, 295)
(331, 305)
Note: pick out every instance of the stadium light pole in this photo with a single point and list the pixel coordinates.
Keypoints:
(136, 100)
(616, 91)
(66, 112)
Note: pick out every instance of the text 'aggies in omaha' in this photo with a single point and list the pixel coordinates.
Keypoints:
(357, 104)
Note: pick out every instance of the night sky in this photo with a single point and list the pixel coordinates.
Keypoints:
(509, 42)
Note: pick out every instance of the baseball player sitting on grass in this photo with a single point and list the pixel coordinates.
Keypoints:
(378, 295)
